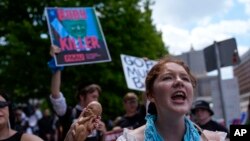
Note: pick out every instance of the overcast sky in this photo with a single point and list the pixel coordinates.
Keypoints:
(198, 23)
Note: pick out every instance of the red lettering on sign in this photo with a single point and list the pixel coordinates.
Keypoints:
(92, 42)
(71, 14)
(74, 57)
(70, 44)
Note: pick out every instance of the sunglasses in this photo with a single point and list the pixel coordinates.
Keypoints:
(4, 104)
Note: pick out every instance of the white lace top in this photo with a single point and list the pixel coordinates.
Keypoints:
(126, 136)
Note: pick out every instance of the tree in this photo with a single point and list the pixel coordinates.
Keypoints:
(128, 29)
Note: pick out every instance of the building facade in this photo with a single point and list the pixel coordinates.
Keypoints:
(242, 72)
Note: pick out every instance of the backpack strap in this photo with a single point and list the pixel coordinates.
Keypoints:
(74, 113)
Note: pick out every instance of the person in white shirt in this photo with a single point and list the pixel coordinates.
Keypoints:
(85, 95)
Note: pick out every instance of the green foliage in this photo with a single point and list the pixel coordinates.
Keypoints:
(128, 29)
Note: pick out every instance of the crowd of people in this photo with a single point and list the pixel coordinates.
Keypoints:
(7, 131)
(169, 92)
(32, 120)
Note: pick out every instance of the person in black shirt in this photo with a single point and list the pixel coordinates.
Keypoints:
(132, 118)
(46, 124)
(203, 117)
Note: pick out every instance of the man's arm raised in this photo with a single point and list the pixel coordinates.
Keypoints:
(57, 99)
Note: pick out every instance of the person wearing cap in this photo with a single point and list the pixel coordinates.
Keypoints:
(203, 117)
(132, 118)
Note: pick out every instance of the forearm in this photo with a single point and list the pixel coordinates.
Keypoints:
(55, 84)
(103, 130)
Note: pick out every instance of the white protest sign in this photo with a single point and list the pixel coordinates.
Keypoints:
(136, 70)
